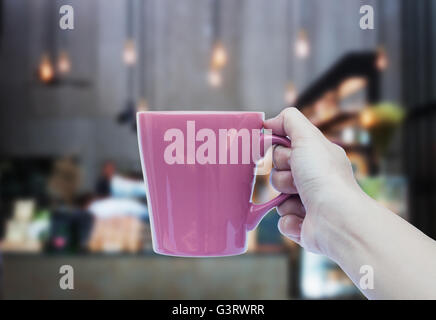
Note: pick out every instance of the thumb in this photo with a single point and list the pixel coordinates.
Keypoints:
(292, 123)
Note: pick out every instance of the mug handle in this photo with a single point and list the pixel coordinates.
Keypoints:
(258, 211)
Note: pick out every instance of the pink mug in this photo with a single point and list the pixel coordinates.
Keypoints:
(198, 189)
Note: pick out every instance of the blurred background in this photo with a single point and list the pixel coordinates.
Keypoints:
(71, 188)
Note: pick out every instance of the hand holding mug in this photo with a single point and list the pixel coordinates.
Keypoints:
(318, 175)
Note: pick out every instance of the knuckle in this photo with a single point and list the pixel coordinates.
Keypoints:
(276, 154)
(339, 150)
(280, 156)
(281, 210)
(341, 155)
(278, 180)
(273, 177)
(289, 112)
(285, 208)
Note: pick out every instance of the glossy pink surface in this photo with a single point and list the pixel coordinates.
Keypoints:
(199, 209)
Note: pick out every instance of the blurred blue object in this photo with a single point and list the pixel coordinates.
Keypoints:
(111, 207)
(127, 188)
(268, 233)
(321, 278)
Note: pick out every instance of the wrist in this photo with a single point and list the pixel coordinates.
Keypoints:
(341, 214)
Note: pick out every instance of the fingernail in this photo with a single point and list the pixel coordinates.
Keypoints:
(277, 146)
(283, 225)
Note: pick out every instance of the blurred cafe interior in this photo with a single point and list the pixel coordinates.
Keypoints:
(71, 188)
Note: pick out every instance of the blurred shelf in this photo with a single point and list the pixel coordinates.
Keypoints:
(354, 147)
(354, 64)
(357, 148)
(338, 118)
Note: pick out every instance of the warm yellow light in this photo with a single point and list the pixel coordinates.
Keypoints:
(64, 63)
(129, 53)
(302, 48)
(142, 105)
(219, 56)
(46, 72)
(290, 94)
(350, 86)
(367, 118)
(382, 59)
(214, 78)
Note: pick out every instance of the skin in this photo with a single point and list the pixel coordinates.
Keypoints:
(329, 214)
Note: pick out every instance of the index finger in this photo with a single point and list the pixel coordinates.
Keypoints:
(292, 123)
(276, 124)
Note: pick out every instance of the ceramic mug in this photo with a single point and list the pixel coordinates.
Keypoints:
(200, 178)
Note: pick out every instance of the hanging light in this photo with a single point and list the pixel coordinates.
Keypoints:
(64, 63)
(382, 59)
(129, 53)
(290, 94)
(302, 48)
(219, 56)
(142, 105)
(45, 70)
(214, 77)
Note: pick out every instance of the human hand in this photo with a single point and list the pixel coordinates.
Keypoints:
(329, 214)
(318, 174)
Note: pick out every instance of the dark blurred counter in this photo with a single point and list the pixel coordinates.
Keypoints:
(149, 276)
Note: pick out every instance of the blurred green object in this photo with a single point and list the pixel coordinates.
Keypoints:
(387, 117)
(389, 190)
(42, 214)
(388, 113)
(372, 186)
(41, 223)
